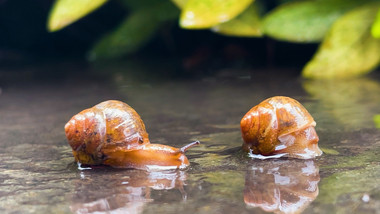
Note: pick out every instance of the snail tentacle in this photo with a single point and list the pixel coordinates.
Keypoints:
(188, 146)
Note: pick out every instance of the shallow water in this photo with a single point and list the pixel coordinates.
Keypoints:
(38, 173)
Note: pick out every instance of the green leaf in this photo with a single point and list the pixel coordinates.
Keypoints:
(65, 12)
(201, 14)
(375, 30)
(348, 49)
(376, 119)
(247, 24)
(135, 31)
(305, 21)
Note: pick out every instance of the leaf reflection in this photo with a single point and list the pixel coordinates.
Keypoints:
(122, 191)
(281, 186)
(351, 102)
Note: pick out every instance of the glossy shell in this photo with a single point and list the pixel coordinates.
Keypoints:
(112, 133)
(280, 126)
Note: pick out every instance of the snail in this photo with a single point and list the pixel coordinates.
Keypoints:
(279, 126)
(112, 133)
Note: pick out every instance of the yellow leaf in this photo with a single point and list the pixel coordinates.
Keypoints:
(180, 3)
(375, 30)
(247, 24)
(201, 14)
(376, 119)
(65, 12)
(349, 48)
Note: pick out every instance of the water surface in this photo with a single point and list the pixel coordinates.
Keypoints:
(38, 173)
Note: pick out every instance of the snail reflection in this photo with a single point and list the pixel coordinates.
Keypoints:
(126, 191)
(281, 186)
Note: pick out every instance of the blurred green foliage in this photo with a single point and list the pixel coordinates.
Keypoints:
(349, 30)
(247, 24)
(376, 119)
(137, 29)
(348, 49)
(305, 21)
(203, 14)
(375, 30)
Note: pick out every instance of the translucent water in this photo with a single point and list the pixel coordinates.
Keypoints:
(38, 173)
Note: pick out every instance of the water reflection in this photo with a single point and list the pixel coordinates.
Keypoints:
(123, 191)
(281, 186)
(352, 102)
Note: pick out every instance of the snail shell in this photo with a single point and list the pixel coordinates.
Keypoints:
(112, 133)
(280, 126)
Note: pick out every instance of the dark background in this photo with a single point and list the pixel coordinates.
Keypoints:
(24, 40)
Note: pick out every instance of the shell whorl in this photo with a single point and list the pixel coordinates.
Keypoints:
(279, 124)
(110, 123)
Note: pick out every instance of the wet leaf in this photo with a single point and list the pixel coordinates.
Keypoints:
(305, 21)
(375, 30)
(200, 14)
(135, 31)
(376, 119)
(348, 49)
(65, 12)
(247, 24)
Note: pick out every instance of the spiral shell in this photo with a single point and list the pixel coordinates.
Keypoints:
(280, 126)
(112, 133)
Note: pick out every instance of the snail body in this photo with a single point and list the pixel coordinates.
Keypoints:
(112, 133)
(280, 126)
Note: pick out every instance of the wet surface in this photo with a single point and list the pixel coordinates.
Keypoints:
(38, 173)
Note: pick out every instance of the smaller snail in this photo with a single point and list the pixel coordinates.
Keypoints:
(112, 133)
(280, 126)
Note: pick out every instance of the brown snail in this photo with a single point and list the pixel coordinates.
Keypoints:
(112, 133)
(280, 126)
